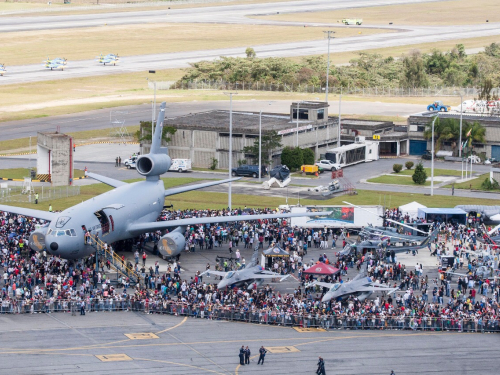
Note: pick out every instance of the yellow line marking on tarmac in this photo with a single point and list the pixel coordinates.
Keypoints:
(302, 330)
(141, 336)
(177, 364)
(114, 357)
(171, 328)
(238, 367)
(282, 349)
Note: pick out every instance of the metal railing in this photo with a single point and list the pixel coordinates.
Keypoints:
(262, 317)
(14, 193)
(349, 90)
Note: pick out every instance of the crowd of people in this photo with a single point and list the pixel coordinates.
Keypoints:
(38, 282)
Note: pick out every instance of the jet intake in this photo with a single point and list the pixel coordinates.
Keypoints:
(37, 239)
(153, 164)
(171, 244)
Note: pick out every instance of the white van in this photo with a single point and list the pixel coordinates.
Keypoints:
(180, 165)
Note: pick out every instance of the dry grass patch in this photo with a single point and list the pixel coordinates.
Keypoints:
(457, 12)
(30, 47)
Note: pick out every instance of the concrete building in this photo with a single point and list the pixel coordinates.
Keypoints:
(418, 122)
(55, 158)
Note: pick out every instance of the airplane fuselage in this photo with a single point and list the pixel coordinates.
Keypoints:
(107, 216)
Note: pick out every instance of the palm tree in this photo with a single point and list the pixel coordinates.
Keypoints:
(446, 129)
(477, 133)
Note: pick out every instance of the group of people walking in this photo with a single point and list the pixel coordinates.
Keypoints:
(245, 355)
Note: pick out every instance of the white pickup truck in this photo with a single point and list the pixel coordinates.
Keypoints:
(180, 165)
(328, 165)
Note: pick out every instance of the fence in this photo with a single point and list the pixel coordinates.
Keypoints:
(263, 317)
(367, 91)
(14, 193)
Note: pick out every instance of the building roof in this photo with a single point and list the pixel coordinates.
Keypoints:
(243, 122)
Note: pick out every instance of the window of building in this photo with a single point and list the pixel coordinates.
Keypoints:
(303, 114)
(321, 114)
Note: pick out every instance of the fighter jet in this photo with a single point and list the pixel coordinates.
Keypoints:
(3, 70)
(55, 65)
(252, 275)
(108, 59)
(481, 272)
(390, 232)
(361, 287)
(124, 212)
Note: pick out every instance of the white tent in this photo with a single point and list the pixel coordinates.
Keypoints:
(411, 209)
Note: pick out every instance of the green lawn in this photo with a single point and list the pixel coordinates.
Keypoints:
(20, 173)
(474, 184)
(396, 180)
(437, 172)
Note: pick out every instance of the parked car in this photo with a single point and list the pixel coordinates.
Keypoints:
(328, 165)
(133, 159)
(438, 106)
(132, 163)
(490, 161)
(427, 155)
(474, 159)
(249, 170)
(180, 165)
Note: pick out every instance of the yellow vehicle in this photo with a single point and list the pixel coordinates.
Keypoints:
(312, 169)
(352, 21)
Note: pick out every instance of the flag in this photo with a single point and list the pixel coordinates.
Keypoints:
(465, 143)
(468, 133)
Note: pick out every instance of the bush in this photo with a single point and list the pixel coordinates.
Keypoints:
(419, 176)
(293, 158)
(213, 164)
(488, 185)
(397, 168)
(308, 156)
(409, 165)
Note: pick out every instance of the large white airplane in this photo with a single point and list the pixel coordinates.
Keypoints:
(124, 212)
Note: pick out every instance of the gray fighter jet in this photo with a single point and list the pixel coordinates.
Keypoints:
(361, 287)
(252, 275)
(124, 212)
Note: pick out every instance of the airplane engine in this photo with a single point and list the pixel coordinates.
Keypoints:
(364, 296)
(153, 164)
(172, 243)
(37, 239)
(256, 284)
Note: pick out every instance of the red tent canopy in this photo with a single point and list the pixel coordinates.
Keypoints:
(322, 269)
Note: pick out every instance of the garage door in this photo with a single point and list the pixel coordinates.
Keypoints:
(495, 152)
(417, 147)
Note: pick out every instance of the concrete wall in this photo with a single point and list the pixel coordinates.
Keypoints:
(59, 146)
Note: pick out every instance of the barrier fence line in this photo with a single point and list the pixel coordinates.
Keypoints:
(266, 317)
(360, 91)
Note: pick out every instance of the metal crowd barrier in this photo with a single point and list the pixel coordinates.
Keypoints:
(263, 317)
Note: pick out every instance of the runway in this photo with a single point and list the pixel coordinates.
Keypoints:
(234, 14)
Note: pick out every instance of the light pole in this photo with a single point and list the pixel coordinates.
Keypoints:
(230, 94)
(153, 114)
(260, 145)
(329, 35)
(297, 135)
(340, 116)
(432, 154)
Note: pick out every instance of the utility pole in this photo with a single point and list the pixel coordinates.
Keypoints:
(230, 94)
(297, 135)
(432, 155)
(329, 35)
(340, 116)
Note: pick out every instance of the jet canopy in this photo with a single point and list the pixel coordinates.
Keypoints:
(229, 274)
(334, 287)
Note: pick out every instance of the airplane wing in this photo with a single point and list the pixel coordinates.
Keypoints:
(183, 189)
(373, 287)
(320, 283)
(216, 273)
(139, 228)
(106, 180)
(44, 215)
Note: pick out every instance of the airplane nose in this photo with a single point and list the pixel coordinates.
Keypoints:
(54, 246)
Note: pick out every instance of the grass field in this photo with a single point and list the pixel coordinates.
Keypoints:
(396, 180)
(437, 172)
(200, 200)
(474, 184)
(32, 47)
(456, 12)
(25, 172)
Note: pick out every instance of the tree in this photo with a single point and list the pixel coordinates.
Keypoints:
(437, 63)
(419, 176)
(269, 142)
(309, 156)
(414, 74)
(144, 132)
(492, 50)
(445, 129)
(485, 90)
(473, 133)
(293, 158)
(250, 52)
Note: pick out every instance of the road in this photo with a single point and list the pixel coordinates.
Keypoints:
(100, 119)
(235, 14)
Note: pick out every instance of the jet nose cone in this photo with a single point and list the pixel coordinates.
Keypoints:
(54, 246)
(327, 297)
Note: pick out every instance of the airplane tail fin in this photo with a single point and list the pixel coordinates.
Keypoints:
(157, 136)
(362, 271)
(255, 257)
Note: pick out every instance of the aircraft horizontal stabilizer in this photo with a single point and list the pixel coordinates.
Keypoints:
(183, 189)
(44, 215)
(106, 180)
(139, 228)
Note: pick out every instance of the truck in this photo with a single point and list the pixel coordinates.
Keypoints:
(438, 106)
(358, 152)
(352, 21)
(479, 106)
(180, 165)
(340, 216)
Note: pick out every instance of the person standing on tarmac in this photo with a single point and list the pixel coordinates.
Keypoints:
(247, 355)
(262, 354)
(321, 367)
(242, 355)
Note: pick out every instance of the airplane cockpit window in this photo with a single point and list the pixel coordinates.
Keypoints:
(335, 287)
(60, 233)
(229, 275)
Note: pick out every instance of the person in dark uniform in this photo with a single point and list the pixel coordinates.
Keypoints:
(321, 367)
(247, 355)
(262, 354)
(242, 355)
